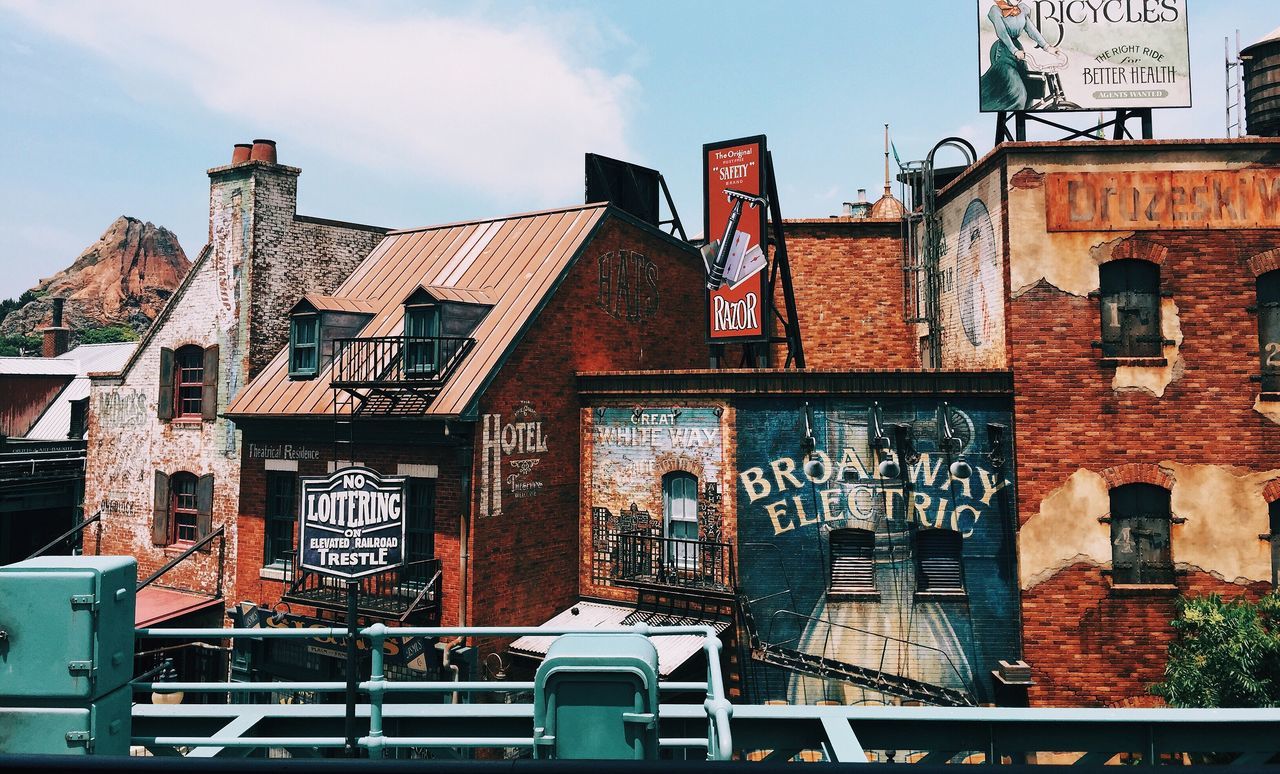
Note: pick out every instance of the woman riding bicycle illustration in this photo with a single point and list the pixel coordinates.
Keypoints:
(1020, 78)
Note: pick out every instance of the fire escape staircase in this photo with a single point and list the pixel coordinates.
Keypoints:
(392, 375)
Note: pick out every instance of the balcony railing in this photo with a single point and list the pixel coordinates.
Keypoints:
(653, 561)
(397, 361)
(408, 593)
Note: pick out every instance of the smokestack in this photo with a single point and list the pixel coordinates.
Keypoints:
(240, 152)
(848, 209)
(263, 150)
(57, 338)
(862, 196)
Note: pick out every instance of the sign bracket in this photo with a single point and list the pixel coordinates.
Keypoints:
(1118, 124)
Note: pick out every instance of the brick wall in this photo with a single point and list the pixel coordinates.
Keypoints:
(847, 275)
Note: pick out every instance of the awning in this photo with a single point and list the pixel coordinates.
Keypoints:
(673, 649)
(157, 605)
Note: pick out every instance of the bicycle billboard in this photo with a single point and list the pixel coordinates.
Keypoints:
(1065, 55)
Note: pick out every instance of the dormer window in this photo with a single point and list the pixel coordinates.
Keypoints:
(421, 339)
(304, 345)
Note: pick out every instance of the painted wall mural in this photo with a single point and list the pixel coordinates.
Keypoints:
(971, 274)
(659, 471)
(906, 573)
(510, 453)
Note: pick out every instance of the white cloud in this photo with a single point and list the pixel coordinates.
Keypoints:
(505, 109)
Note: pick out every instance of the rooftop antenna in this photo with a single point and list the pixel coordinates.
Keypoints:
(1235, 88)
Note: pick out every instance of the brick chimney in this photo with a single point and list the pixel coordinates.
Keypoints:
(57, 337)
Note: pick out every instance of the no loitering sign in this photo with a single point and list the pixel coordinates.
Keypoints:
(351, 523)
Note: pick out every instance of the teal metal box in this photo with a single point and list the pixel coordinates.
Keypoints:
(99, 727)
(595, 697)
(68, 627)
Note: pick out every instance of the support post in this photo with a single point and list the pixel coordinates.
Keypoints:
(353, 666)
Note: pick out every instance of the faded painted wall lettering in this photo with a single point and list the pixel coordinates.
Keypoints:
(628, 286)
(524, 438)
(1221, 199)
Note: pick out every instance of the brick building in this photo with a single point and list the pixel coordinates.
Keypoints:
(1131, 288)
(163, 465)
(448, 358)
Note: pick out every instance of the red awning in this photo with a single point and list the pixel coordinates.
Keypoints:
(157, 605)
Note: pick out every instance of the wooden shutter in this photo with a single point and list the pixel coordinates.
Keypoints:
(852, 561)
(160, 511)
(209, 395)
(204, 506)
(164, 401)
(938, 554)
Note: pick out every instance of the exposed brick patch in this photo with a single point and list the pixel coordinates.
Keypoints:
(1264, 262)
(1027, 178)
(1138, 248)
(1137, 473)
(1271, 492)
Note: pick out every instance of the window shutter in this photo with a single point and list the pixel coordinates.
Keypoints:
(938, 552)
(164, 401)
(204, 506)
(209, 396)
(852, 561)
(160, 511)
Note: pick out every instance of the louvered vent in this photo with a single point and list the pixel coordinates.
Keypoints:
(938, 554)
(852, 564)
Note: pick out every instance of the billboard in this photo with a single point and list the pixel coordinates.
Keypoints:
(1063, 55)
(351, 523)
(738, 297)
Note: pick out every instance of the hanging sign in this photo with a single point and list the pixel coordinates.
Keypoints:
(733, 183)
(351, 523)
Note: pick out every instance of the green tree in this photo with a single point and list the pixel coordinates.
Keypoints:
(12, 346)
(107, 334)
(1226, 654)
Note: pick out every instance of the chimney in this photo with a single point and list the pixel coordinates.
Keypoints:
(848, 209)
(263, 150)
(862, 196)
(240, 152)
(57, 337)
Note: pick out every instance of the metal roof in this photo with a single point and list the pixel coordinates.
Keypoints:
(335, 304)
(514, 261)
(673, 649)
(55, 423)
(36, 366)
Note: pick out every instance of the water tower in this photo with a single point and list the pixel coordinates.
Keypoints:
(1262, 85)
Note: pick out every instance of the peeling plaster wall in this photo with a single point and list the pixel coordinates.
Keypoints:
(1223, 507)
(1154, 380)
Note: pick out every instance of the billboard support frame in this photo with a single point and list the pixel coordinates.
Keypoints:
(1119, 125)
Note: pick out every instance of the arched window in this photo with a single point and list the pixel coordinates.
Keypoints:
(853, 571)
(680, 517)
(1269, 329)
(1130, 292)
(938, 566)
(184, 515)
(1140, 552)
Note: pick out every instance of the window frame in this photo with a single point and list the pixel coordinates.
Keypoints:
(955, 552)
(178, 511)
(188, 377)
(274, 520)
(1148, 507)
(311, 321)
(682, 550)
(866, 553)
(422, 349)
(1125, 286)
(1267, 290)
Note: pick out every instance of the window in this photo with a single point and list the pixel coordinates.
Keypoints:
(938, 567)
(188, 383)
(422, 340)
(1131, 309)
(420, 519)
(1275, 545)
(184, 516)
(853, 569)
(680, 507)
(1269, 329)
(304, 346)
(182, 508)
(1140, 519)
(281, 516)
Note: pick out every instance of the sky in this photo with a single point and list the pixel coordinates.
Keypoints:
(406, 114)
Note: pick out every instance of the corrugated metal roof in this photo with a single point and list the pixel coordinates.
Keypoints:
(514, 260)
(336, 304)
(673, 649)
(36, 366)
(55, 423)
(480, 296)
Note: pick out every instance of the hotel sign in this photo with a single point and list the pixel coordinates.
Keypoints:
(351, 523)
(1150, 201)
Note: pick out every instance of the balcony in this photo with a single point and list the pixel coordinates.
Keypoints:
(412, 362)
(408, 594)
(659, 563)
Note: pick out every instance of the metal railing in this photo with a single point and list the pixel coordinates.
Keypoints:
(657, 561)
(73, 532)
(386, 361)
(59, 461)
(479, 725)
(218, 534)
(414, 587)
